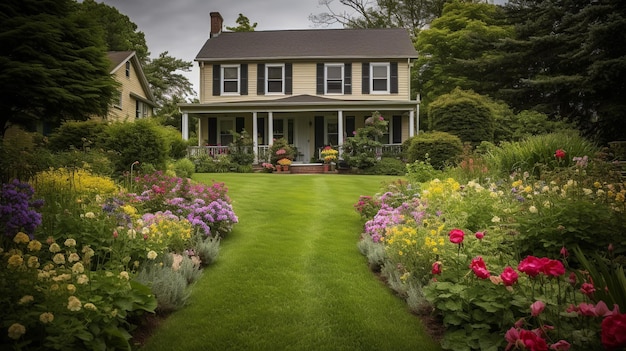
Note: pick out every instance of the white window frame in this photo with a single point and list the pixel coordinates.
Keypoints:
(267, 78)
(327, 122)
(387, 65)
(341, 78)
(223, 80)
(119, 100)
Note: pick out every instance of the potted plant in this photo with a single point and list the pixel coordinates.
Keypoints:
(328, 155)
(279, 150)
(284, 163)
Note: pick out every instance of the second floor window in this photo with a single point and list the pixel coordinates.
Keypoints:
(127, 69)
(334, 78)
(379, 78)
(275, 79)
(230, 79)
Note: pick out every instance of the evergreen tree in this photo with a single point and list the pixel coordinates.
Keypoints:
(53, 63)
(243, 25)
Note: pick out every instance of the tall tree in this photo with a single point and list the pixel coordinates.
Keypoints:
(410, 14)
(569, 60)
(164, 81)
(120, 33)
(53, 63)
(461, 49)
(243, 25)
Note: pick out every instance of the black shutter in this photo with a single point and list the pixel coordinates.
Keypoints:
(260, 79)
(217, 80)
(397, 129)
(350, 126)
(288, 78)
(244, 79)
(320, 79)
(366, 78)
(212, 131)
(394, 78)
(347, 78)
(240, 124)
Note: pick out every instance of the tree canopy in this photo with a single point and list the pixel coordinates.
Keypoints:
(243, 25)
(53, 63)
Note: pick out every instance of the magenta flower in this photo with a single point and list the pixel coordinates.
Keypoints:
(456, 236)
(537, 307)
(509, 276)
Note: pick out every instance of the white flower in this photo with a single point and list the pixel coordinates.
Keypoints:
(132, 233)
(78, 268)
(70, 242)
(145, 231)
(90, 306)
(82, 279)
(71, 288)
(54, 248)
(25, 299)
(587, 191)
(124, 275)
(152, 255)
(90, 215)
(495, 219)
(73, 304)
(532, 209)
(58, 259)
(16, 330)
(73, 257)
(46, 317)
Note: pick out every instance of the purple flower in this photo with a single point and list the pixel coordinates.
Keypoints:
(17, 208)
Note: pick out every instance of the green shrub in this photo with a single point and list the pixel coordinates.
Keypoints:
(78, 135)
(184, 168)
(374, 252)
(363, 150)
(440, 147)
(281, 149)
(95, 161)
(169, 287)
(22, 155)
(176, 146)
(387, 166)
(463, 113)
(207, 249)
(240, 150)
(141, 141)
(422, 171)
(537, 153)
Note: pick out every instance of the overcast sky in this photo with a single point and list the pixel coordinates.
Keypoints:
(181, 27)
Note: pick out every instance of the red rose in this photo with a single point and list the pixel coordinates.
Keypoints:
(456, 236)
(532, 341)
(531, 265)
(479, 268)
(614, 331)
(587, 289)
(436, 268)
(559, 154)
(509, 276)
(480, 235)
(553, 268)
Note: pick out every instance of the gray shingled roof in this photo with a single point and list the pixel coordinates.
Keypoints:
(309, 44)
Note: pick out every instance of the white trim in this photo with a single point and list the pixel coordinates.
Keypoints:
(185, 126)
(267, 78)
(341, 77)
(387, 65)
(223, 80)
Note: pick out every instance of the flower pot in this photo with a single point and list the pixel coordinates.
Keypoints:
(286, 168)
(326, 167)
(278, 168)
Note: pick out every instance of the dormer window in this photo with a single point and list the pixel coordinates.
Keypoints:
(275, 79)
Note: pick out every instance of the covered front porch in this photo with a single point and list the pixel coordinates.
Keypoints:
(307, 122)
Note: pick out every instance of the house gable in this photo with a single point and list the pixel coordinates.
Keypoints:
(135, 97)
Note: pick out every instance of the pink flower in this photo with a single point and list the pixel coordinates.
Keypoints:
(564, 252)
(511, 336)
(436, 268)
(560, 345)
(480, 235)
(602, 310)
(572, 279)
(532, 341)
(536, 308)
(456, 236)
(559, 154)
(587, 309)
(587, 289)
(553, 268)
(115, 234)
(480, 269)
(509, 276)
(531, 265)
(614, 332)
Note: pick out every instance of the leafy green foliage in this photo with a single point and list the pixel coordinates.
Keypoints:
(243, 25)
(439, 148)
(76, 135)
(22, 155)
(464, 114)
(240, 150)
(184, 168)
(387, 166)
(281, 149)
(422, 171)
(363, 150)
(138, 141)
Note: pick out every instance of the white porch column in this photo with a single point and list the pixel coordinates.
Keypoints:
(340, 127)
(411, 124)
(185, 126)
(255, 138)
(270, 126)
(417, 127)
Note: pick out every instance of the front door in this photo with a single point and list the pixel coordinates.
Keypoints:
(302, 141)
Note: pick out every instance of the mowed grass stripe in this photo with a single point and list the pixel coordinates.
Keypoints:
(290, 277)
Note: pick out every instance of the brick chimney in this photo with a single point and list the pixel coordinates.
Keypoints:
(216, 24)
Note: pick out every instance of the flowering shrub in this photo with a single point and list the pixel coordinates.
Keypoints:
(329, 154)
(79, 181)
(18, 209)
(284, 162)
(166, 230)
(268, 167)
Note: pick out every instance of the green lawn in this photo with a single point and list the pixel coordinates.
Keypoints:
(290, 276)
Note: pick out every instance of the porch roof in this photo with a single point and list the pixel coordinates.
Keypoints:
(299, 103)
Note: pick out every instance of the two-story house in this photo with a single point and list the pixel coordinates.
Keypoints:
(135, 99)
(312, 87)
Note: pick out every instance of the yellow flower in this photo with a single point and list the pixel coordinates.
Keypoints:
(400, 253)
(78, 268)
(46, 317)
(71, 288)
(25, 299)
(90, 215)
(82, 279)
(597, 184)
(54, 248)
(90, 306)
(16, 330)
(73, 257)
(33, 262)
(73, 304)
(70, 242)
(124, 275)
(152, 255)
(34, 245)
(21, 238)
(15, 261)
(619, 197)
(58, 259)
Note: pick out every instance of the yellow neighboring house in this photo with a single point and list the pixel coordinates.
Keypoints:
(135, 99)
